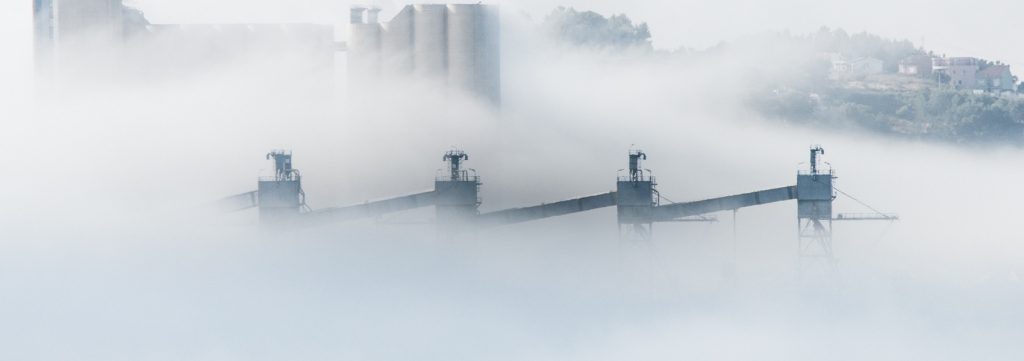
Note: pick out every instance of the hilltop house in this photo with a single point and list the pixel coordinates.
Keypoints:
(960, 72)
(995, 78)
(967, 73)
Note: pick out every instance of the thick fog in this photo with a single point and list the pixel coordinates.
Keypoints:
(976, 28)
(109, 251)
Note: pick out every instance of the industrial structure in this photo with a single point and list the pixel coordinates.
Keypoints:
(638, 204)
(279, 197)
(455, 198)
(85, 23)
(64, 19)
(457, 192)
(107, 39)
(814, 214)
(454, 48)
(452, 45)
(635, 199)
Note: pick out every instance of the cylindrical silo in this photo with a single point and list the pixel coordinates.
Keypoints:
(488, 53)
(363, 51)
(371, 15)
(462, 43)
(397, 44)
(430, 41)
(356, 14)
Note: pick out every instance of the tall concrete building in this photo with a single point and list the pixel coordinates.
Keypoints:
(69, 30)
(97, 18)
(65, 20)
(43, 29)
(103, 40)
(457, 45)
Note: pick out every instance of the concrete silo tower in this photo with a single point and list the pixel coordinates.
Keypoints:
(453, 46)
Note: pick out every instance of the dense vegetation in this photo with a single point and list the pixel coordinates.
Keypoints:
(889, 104)
(590, 29)
(931, 113)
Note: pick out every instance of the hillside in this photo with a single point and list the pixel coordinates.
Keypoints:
(916, 110)
(814, 80)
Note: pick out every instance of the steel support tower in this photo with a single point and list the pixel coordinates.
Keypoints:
(457, 194)
(635, 200)
(815, 194)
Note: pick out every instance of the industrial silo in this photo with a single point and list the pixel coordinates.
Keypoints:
(488, 53)
(363, 46)
(396, 44)
(430, 41)
(473, 50)
(462, 35)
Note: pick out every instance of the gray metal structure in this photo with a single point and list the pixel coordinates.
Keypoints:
(239, 202)
(455, 198)
(676, 211)
(281, 199)
(815, 192)
(370, 209)
(561, 208)
(636, 200)
(456, 193)
(638, 204)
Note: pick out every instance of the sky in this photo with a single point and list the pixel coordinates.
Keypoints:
(956, 28)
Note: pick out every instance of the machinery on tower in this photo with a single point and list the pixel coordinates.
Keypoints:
(635, 172)
(457, 193)
(636, 200)
(283, 165)
(454, 158)
(281, 198)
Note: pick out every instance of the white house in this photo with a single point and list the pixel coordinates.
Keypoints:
(960, 71)
(857, 67)
(995, 78)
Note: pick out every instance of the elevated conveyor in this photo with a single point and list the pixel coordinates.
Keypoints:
(670, 212)
(370, 209)
(526, 214)
(238, 202)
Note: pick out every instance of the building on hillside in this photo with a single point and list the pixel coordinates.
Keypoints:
(960, 72)
(457, 45)
(995, 78)
(917, 65)
(857, 67)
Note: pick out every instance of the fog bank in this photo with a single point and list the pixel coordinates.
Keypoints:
(107, 253)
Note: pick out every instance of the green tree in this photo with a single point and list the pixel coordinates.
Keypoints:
(590, 29)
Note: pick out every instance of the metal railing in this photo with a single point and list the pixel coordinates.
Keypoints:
(830, 172)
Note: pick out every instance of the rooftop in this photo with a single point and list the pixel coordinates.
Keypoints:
(994, 71)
